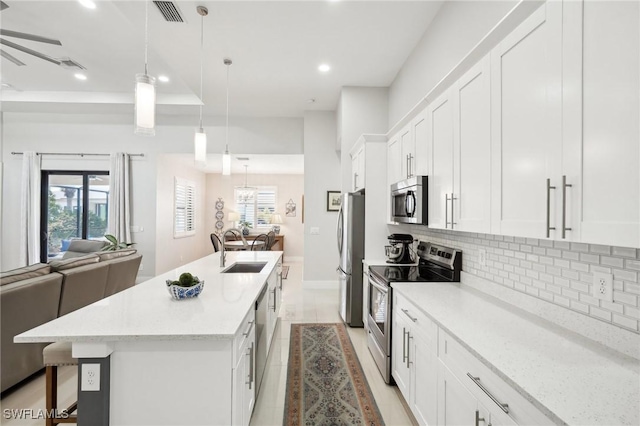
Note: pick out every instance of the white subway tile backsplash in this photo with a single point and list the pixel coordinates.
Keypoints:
(625, 322)
(589, 258)
(596, 248)
(616, 262)
(556, 271)
(624, 252)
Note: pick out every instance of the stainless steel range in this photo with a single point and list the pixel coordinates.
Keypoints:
(436, 264)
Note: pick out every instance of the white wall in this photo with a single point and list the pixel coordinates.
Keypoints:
(289, 187)
(173, 252)
(455, 30)
(362, 110)
(106, 133)
(322, 174)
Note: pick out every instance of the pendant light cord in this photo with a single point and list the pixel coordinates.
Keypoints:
(201, 61)
(227, 127)
(146, 35)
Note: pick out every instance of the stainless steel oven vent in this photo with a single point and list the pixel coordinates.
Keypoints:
(169, 11)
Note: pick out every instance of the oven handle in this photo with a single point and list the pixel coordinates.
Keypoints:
(384, 289)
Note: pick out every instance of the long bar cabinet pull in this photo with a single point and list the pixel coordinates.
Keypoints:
(404, 345)
(549, 227)
(452, 211)
(478, 418)
(565, 185)
(246, 333)
(446, 210)
(250, 355)
(476, 380)
(406, 312)
(408, 351)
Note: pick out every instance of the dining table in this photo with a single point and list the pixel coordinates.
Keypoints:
(235, 245)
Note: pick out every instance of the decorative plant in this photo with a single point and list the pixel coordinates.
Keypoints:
(185, 280)
(244, 224)
(114, 244)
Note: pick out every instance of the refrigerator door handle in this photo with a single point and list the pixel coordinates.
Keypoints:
(340, 232)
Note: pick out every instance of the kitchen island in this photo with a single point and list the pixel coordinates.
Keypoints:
(170, 362)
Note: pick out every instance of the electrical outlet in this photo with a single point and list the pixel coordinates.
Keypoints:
(314, 230)
(90, 377)
(482, 257)
(602, 286)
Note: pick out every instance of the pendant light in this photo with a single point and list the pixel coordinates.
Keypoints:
(200, 139)
(246, 192)
(226, 157)
(145, 90)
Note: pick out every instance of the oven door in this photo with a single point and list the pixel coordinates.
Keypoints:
(379, 315)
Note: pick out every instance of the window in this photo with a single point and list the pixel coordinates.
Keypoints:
(255, 205)
(184, 221)
(73, 204)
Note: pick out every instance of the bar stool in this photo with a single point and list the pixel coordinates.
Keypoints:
(57, 355)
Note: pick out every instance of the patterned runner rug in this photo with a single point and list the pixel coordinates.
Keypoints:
(325, 382)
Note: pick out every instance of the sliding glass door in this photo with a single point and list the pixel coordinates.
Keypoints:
(74, 204)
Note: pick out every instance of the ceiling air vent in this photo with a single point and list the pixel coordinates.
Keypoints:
(170, 11)
(70, 64)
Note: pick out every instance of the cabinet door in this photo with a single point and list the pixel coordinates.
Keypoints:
(354, 172)
(237, 401)
(408, 152)
(472, 150)
(361, 179)
(440, 124)
(602, 151)
(526, 72)
(399, 355)
(424, 401)
(394, 160)
(420, 132)
(456, 405)
(249, 397)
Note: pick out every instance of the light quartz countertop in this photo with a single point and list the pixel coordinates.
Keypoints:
(571, 379)
(148, 312)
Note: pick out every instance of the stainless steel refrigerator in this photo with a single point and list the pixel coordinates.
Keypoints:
(351, 250)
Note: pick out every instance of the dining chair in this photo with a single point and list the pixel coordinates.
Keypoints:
(215, 240)
(272, 239)
(233, 234)
(260, 243)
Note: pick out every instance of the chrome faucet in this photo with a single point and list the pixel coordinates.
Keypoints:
(223, 252)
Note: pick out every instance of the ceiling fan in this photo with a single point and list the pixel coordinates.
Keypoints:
(63, 62)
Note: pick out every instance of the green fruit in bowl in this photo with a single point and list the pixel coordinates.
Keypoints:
(186, 280)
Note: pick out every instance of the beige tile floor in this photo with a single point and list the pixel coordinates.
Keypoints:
(299, 305)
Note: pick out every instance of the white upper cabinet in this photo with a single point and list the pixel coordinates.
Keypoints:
(440, 143)
(394, 160)
(601, 144)
(420, 135)
(526, 89)
(408, 152)
(358, 169)
(472, 150)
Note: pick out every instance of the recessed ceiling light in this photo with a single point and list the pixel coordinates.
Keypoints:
(80, 76)
(311, 101)
(163, 78)
(89, 4)
(324, 68)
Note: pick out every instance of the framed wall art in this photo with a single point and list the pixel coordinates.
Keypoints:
(333, 201)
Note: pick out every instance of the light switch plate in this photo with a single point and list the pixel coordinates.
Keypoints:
(314, 230)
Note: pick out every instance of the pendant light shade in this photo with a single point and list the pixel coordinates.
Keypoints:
(226, 157)
(200, 139)
(200, 146)
(145, 91)
(145, 105)
(226, 163)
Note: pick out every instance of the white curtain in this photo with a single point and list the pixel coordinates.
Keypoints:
(30, 209)
(119, 197)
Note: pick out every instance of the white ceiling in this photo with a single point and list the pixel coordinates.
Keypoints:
(257, 163)
(276, 47)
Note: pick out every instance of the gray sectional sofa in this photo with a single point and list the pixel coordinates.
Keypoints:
(39, 293)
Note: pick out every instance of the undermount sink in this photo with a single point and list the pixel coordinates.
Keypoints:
(245, 267)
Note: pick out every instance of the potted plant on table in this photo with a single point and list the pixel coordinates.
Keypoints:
(244, 227)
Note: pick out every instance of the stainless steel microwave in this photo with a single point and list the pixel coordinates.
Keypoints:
(409, 201)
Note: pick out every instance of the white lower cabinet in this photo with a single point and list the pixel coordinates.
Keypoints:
(414, 360)
(274, 291)
(443, 383)
(244, 382)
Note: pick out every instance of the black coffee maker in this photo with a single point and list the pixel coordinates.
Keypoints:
(399, 248)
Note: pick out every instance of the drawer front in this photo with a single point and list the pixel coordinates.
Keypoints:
(422, 327)
(242, 338)
(493, 392)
